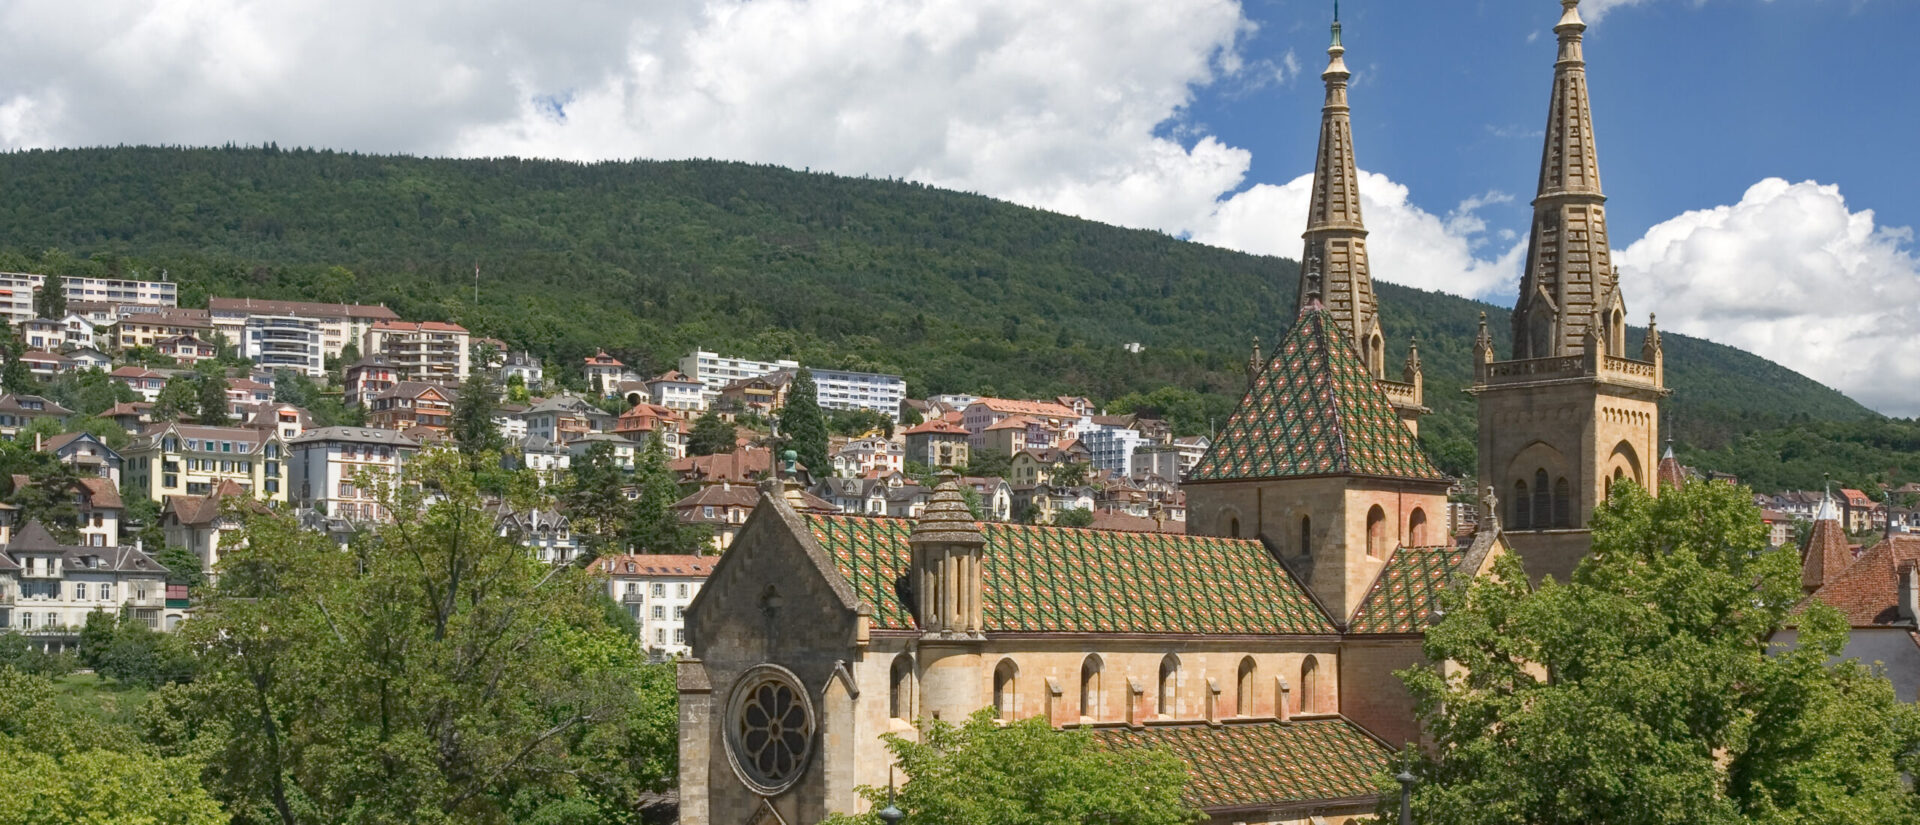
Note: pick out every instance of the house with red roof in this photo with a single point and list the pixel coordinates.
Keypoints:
(1878, 593)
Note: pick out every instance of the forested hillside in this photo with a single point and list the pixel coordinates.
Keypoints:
(958, 292)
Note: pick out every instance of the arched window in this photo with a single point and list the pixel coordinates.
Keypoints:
(1306, 535)
(1376, 532)
(1417, 528)
(1310, 685)
(1562, 503)
(1377, 356)
(1004, 684)
(1243, 688)
(1542, 500)
(900, 688)
(1233, 527)
(1169, 685)
(1522, 507)
(1617, 335)
(1090, 687)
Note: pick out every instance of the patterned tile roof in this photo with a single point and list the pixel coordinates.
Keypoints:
(1266, 763)
(1314, 410)
(1072, 580)
(1404, 595)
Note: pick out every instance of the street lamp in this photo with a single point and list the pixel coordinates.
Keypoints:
(1406, 780)
(890, 814)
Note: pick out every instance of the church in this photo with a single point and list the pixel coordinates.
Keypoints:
(1259, 647)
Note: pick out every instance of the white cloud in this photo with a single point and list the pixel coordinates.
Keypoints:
(1405, 245)
(1791, 274)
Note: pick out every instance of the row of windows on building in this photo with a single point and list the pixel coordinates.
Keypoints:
(1006, 680)
(81, 592)
(172, 445)
(1542, 506)
(659, 590)
(1379, 539)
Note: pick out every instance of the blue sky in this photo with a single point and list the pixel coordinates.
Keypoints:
(1755, 150)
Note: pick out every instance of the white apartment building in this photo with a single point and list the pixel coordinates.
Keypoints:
(340, 324)
(47, 589)
(547, 534)
(1110, 449)
(655, 591)
(430, 352)
(675, 391)
(334, 469)
(837, 389)
(284, 342)
(868, 456)
(17, 289)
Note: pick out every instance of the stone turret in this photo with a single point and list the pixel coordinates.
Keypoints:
(1827, 553)
(947, 549)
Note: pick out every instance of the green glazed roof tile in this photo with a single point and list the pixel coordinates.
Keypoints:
(1314, 410)
(1265, 763)
(1407, 591)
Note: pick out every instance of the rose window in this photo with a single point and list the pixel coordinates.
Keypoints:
(770, 728)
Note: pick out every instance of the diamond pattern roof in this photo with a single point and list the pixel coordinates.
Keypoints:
(1406, 591)
(1314, 410)
(1068, 580)
(1266, 763)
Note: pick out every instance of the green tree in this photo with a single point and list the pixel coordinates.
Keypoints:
(210, 400)
(183, 565)
(1076, 517)
(804, 424)
(595, 502)
(472, 426)
(654, 526)
(50, 300)
(96, 636)
(435, 673)
(15, 377)
(1072, 473)
(48, 497)
(517, 389)
(179, 397)
(910, 416)
(989, 463)
(711, 435)
(1644, 690)
(1027, 773)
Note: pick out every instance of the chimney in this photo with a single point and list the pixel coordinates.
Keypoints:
(1909, 579)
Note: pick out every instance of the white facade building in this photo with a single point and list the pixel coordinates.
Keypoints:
(838, 389)
(17, 289)
(328, 465)
(284, 342)
(48, 589)
(715, 371)
(655, 591)
(340, 324)
(1110, 449)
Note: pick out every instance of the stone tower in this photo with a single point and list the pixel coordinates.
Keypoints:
(1570, 415)
(1335, 250)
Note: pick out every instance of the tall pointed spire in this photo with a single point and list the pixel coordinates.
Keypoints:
(1335, 232)
(1569, 285)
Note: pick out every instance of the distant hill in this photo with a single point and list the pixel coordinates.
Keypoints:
(958, 292)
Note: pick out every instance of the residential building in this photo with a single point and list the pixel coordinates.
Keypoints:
(1013, 435)
(17, 411)
(410, 404)
(675, 391)
(97, 502)
(186, 349)
(168, 460)
(605, 373)
(1859, 512)
(563, 418)
(284, 342)
(1878, 593)
(1779, 527)
(19, 289)
(367, 378)
(201, 523)
(87, 455)
(715, 371)
(548, 534)
(340, 324)
(869, 456)
(509, 419)
(745, 465)
(1110, 442)
(1029, 467)
(936, 444)
(59, 585)
(1048, 417)
(722, 508)
(759, 395)
(995, 494)
(656, 591)
(336, 470)
(82, 331)
(622, 449)
(42, 333)
(546, 457)
(86, 358)
(1191, 449)
(431, 352)
(147, 382)
(873, 392)
(950, 402)
(148, 329)
(16, 297)
(524, 365)
(289, 421)
(244, 393)
(645, 421)
(44, 365)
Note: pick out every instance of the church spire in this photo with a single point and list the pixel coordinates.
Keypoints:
(1569, 284)
(1335, 232)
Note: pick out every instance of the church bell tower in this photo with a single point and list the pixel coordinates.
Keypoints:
(1571, 414)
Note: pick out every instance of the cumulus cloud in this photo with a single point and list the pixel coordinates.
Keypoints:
(1791, 273)
(1408, 245)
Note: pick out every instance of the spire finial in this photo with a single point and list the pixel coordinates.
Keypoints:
(1336, 23)
(1570, 17)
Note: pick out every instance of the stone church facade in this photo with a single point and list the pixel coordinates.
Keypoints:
(1260, 647)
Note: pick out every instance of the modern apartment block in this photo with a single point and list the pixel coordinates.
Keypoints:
(284, 342)
(17, 289)
(430, 352)
(838, 389)
(340, 324)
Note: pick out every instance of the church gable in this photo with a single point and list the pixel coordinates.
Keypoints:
(1073, 580)
(1314, 410)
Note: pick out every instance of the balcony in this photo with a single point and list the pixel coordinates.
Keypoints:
(633, 598)
(149, 600)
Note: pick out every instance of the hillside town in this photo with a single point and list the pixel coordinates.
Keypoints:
(831, 566)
